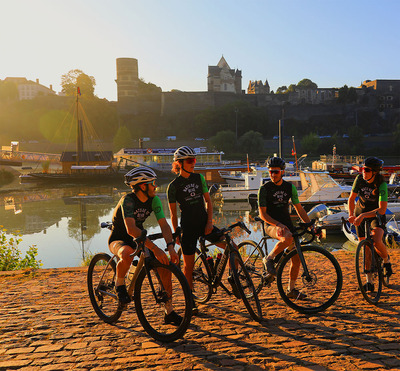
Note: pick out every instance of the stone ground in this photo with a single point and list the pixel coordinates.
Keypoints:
(47, 323)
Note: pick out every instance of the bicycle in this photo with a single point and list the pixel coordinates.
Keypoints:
(320, 277)
(369, 265)
(207, 277)
(144, 283)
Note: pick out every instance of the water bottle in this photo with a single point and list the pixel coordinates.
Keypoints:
(210, 262)
(217, 260)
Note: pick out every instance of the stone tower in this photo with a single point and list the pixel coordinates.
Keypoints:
(221, 78)
(127, 78)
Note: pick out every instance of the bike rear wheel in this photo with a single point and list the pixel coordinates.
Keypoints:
(151, 294)
(202, 290)
(321, 287)
(245, 286)
(369, 272)
(252, 255)
(101, 288)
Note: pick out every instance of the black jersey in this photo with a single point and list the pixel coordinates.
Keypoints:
(188, 193)
(129, 206)
(276, 199)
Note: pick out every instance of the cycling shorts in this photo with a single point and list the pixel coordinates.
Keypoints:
(189, 239)
(360, 230)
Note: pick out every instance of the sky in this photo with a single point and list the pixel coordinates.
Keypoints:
(331, 42)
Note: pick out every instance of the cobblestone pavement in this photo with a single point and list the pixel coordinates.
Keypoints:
(47, 323)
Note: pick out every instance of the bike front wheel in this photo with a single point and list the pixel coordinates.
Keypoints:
(101, 288)
(245, 286)
(316, 290)
(369, 272)
(252, 255)
(156, 288)
(202, 290)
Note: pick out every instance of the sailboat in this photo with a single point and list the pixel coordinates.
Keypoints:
(79, 165)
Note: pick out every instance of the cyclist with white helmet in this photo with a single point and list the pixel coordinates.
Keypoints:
(273, 202)
(189, 190)
(369, 196)
(128, 218)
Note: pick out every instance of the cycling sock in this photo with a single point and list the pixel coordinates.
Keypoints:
(120, 281)
(168, 307)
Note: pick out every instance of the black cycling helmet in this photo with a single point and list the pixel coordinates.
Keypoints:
(184, 152)
(373, 163)
(276, 162)
(140, 174)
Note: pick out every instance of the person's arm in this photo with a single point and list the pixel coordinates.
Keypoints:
(301, 213)
(209, 225)
(351, 204)
(382, 205)
(167, 234)
(174, 215)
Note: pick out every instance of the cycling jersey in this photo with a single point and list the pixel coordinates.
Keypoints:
(129, 206)
(369, 194)
(188, 193)
(276, 199)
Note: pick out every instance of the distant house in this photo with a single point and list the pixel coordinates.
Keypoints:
(258, 87)
(28, 89)
(387, 92)
(221, 78)
(89, 159)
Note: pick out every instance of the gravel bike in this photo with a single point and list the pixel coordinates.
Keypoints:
(150, 283)
(208, 273)
(370, 271)
(320, 277)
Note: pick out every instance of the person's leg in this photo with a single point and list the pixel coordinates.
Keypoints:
(283, 242)
(377, 235)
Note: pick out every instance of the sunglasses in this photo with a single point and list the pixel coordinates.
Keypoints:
(274, 171)
(367, 170)
(190, 160)
(153, 183)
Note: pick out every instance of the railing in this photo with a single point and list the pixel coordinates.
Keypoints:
(29, 156)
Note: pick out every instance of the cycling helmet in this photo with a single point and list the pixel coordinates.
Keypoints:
(184, 152)
(139, 175)
(276, 162)
(374, 163)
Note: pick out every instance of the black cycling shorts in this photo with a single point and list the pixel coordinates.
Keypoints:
(189, 239)
(360, 230)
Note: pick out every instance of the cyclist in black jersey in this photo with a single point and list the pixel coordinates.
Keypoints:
(189, 190)
(273, 202)
(372, 193)
(128, 217)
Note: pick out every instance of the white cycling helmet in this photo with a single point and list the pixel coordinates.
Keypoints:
(184, 152)
(139, 175)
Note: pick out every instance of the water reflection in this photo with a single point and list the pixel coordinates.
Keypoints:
(64, 221)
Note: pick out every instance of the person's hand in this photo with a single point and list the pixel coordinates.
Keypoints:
(161, 256)
(351, 219)
(209, 228)
(358, 220)
(173, 255)
(280, 230)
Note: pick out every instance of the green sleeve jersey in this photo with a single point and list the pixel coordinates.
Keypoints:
(156, 205)
(204, 184)
(295, 196)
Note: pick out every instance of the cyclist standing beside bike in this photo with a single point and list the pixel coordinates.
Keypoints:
(190, 191)
(372, 193)
(273, 201)
(128, 218)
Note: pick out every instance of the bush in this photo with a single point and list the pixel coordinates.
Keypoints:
(10, 254)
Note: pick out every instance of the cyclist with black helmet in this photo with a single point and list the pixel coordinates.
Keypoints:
(189, 190)
(273, 202)
(372, 193)
(128, 218)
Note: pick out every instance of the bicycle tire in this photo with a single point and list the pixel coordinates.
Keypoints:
(245, 286)
(101, 288)
(385, 279)
(363, 254)
(252, 255)
(202, 290)
(323, 269)
(151, 313)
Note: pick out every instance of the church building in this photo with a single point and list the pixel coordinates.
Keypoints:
(221, 78)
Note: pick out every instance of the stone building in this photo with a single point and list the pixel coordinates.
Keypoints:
(222, 78)
(28, 89)
(386, 91)
(258, 87)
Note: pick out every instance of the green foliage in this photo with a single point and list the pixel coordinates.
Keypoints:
(307, 84)
(148, 88)
(10, 254)
(282, 90)
(356, 140)
(347, 95)
(6, 177)
(122, 139)
(77, 78)
(224, 141)
(251, 142)
(310, 143)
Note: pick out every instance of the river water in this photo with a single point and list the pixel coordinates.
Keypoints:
(64, 221)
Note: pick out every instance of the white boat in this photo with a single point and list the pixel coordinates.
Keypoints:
(313, 188)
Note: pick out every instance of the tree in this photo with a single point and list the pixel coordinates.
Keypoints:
(251, 142)
(122, 139)
(282, 89)
(356, 139)
(310, 143)
(224, 141)
(77, 78)
(307, 84)
(148, 88)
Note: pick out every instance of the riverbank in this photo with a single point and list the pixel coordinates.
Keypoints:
(47, 323)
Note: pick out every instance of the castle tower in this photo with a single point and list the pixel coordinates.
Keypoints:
(221, 78)
(127, 78)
